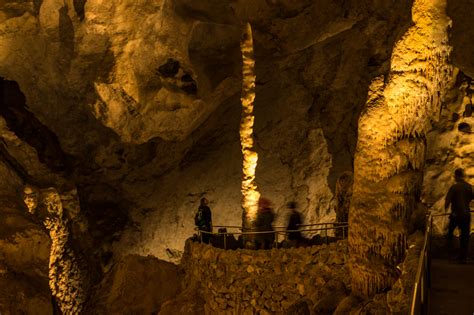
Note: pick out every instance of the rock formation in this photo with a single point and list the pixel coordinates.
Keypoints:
(391, 147)
(138, 285)
(98, 84)
(250, 194)
(67, 278)
(449, 148)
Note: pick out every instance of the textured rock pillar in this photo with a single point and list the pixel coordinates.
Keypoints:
(390, 151)
(250, 194)
(67, 280)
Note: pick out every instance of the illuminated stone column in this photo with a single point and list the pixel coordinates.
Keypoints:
(390, 152)
(66, 277)
(250, 194)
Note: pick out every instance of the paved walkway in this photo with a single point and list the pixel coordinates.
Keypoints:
(452, 288)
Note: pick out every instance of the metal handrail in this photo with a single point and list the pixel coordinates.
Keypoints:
(335, 226)
(278, 226)
(419, 303)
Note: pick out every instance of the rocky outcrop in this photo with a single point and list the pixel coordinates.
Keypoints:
(24, 254)
(67, 278)
(137, 285)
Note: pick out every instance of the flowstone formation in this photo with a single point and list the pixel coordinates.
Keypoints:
(391, 148)
(67, 280)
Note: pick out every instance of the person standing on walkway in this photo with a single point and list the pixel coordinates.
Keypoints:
(265, 217)
(459, 198)
(294, 223)
(203, 220)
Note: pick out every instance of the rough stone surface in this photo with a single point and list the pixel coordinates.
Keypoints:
(24, 254)
(391, 148)
(449, 149)
(136, 285)
(269, 281)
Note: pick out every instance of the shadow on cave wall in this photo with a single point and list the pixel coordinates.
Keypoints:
(462, 33)
(27, 127)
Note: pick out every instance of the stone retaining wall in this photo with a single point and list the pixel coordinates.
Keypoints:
(268, 281)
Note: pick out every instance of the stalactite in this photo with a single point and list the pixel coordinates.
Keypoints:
(391, 147)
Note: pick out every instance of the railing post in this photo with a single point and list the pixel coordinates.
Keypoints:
(327, 236)
(200, 235)
(225, 241)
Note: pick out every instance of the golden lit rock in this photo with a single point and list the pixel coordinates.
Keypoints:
(250, 194)
(391, 147)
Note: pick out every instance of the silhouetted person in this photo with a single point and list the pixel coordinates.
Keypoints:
(203, 220)
(343, 202)
(265, 217)
(294, 223)
(459, 197)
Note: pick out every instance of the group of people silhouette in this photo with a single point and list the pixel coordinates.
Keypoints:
(458, 198)
(262, 235)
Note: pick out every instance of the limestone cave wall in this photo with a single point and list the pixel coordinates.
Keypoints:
(130, 111)
(143, 100)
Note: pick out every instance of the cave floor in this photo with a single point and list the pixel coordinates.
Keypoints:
(452, 287)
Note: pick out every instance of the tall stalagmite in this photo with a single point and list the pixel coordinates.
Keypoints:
(250, 194)
(391, 147)
(67, 279)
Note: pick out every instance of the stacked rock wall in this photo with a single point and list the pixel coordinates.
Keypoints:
(268, 281)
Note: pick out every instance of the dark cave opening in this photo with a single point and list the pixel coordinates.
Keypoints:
(26, 126)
